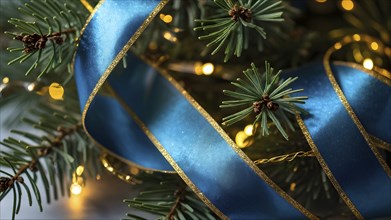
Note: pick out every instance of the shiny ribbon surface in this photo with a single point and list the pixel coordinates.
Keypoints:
(354, 169)
(153, 123)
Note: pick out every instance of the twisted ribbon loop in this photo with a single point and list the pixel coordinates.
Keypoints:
(144, 122)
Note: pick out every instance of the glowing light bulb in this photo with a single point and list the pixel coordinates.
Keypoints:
(6, 80)
(208, 68)
(31, 87)
(240, 139)
(56, 91)
(348, 5)
(104, 162)
(374, 46)
(79, 170)
(170, 37)
(321, 1)
(292, 187)
(76, 189)
(249, 130)
(356, 37)
(337, 46)
(368, 63)
(167, 19)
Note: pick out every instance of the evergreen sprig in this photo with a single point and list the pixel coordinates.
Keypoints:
(170, 199)
(231, 27)
(48, 33)
(266, 96)
(50, 151)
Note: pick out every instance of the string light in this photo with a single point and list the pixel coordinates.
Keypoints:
(77, 181)
(56, 91)
(348, 5)
(6, 80)
(208, 68)
(374, 45)
(368, 63)
(321, 1)
(166, 18)
(338, 46)
(79, 170)
(76, 189)
(31, 87)
(105, 163)
(356, 37)
(292, 187)
(170, 37)
(249, 130)
(240, 139)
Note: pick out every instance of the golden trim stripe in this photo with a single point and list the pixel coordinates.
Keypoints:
(326, 169)
(107, 73)
(115, 96)
(349, 109)
(160, 147)
(103, 78)
(244, 157)
(87, 5)
(380, 143)
(197, 106)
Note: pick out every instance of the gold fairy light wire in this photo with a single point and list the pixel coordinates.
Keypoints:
(285, 157)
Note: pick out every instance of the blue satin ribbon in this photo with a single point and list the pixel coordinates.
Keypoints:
(197, 149)
(338, 139)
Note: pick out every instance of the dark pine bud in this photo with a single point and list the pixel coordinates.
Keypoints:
(257, 106)
(41, 43)
(4, 183)
(240, 12)
(59, 40)
(272, 106)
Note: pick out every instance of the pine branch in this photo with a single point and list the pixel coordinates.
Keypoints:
(48, 34)
(266, 96)
(50, 151)
(170, 31)
(231, 27)
(169, 198)
(302, 178)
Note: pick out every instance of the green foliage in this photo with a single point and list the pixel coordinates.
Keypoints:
(266, 96)
(50, 151)
(302, 178)
(169, 198)
(48, 32)
(231, 26)
(171, 38)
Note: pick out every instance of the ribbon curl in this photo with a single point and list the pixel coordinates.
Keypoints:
(153, 124)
